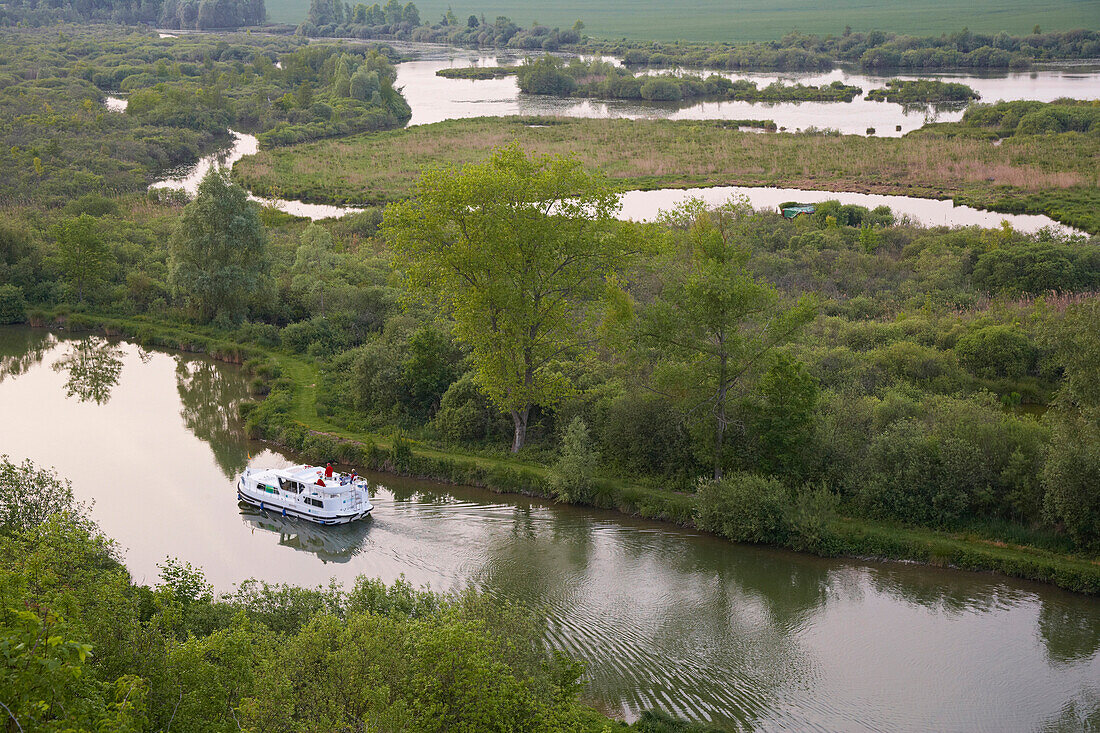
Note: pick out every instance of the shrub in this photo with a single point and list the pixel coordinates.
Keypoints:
(744, 507)
(1071, 476)
(571, 476)
(644, 435)
(997, 351)
(13, 308)
(661, 89)
(465, 413)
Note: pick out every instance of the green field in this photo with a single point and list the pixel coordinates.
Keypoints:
(760, 20)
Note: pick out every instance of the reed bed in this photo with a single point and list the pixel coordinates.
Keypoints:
(380, 167)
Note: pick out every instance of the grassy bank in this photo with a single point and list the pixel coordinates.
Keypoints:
(1052, 174)
(288, 417)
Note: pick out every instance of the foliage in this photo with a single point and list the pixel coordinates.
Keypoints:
(745, 508)
(182, 94)
(219, 250)
(30, 495)
(81, 253)
(509, 248)
(13, 307)
(571, 476)
(922, 91)
(713, 321)
(125, 657)
(997, 351)
(174, 14)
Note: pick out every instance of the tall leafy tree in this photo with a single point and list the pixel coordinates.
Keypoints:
(82, 253)
(514, 249)
(218, 254)
(712, 321)
(1072, 470)
(314, 262)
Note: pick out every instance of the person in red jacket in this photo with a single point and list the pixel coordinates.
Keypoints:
(328, 470)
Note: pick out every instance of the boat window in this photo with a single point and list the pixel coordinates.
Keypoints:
(315, 502)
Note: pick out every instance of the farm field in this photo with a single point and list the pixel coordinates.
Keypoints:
(760, 20)
(1054, 173)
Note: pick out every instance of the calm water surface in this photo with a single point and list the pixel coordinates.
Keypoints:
(434, 99)
(665, 617)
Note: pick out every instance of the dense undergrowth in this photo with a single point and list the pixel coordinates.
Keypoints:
(62, 142)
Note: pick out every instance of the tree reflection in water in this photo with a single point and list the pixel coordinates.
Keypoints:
(1069, 633)
(23, 348)
(210, 400)
(93, 365)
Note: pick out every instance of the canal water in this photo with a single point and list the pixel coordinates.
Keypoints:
(664, 617)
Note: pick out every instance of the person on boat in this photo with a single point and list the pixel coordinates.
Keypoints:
(354, 475)
(328, 470)
(320, 482)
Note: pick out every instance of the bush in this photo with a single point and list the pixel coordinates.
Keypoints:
(661, 89)
(744, 507)
(13, 308)
(997, 351)
(571, 476)
(465, 413)
(1071, 477)
(644, 435)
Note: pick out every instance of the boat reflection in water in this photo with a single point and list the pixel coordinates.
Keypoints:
(331, 543)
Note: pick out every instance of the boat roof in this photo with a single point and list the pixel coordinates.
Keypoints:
(305, 473)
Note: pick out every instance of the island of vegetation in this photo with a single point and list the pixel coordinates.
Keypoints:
(551, 75)
(923, 91)
(477, 73)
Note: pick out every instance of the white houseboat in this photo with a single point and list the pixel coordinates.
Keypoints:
(306, 492)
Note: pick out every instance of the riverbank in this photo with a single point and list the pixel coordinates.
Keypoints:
(288, 417)
(1039, 174)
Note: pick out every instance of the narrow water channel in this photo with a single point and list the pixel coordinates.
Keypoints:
(664, 617)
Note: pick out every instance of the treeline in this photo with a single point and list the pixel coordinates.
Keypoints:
(551, 75)
(182, 95)
(88, 649)
(394, 21)
(871, 51)
(175, 14)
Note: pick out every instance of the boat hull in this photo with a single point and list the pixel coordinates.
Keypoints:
(289, 511)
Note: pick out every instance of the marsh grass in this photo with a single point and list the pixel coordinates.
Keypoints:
(1052, 174)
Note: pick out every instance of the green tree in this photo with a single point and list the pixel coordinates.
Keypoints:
(514, 249)
(713, 321)
(1072, 470)
(572, 474)
(314, 261)
(29, 495)
(784, 417)
(81, 253)
(218, 254)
